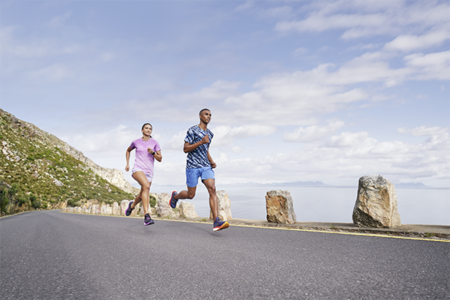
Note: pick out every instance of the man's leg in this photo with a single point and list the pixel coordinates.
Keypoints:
(191, 182)
(213, 204)
(189, 194)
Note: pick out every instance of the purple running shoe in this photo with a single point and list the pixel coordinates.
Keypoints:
(148, 220)
(129, 209)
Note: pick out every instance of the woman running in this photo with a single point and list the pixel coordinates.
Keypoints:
(147, 149)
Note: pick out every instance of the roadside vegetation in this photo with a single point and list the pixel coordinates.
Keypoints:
(36, 174)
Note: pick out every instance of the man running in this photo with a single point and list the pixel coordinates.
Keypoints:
(200, 164)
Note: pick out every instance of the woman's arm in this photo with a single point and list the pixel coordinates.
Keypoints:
(158, 156)
(127, 155)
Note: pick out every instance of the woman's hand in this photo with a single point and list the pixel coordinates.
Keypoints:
(150, 150)
(127, 168)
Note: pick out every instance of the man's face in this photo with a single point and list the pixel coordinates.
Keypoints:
(205, 116)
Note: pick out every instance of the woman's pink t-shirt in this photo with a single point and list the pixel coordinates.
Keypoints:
(144, 161)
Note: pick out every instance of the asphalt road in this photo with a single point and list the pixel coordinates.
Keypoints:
(53, 255)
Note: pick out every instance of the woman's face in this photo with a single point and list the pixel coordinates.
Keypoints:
(147, 131)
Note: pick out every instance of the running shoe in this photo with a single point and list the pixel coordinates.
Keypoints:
(148, 220)
(129, 209)
(219, 224)
(173, 201)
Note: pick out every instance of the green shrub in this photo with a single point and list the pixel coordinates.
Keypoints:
(37, 204)
(73, 202)
(152, 201)
(3, 199)
(21, 200)
(13, 190)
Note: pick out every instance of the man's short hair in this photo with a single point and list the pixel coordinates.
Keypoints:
(203, 111)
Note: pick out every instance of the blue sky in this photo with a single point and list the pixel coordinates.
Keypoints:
(299, 90)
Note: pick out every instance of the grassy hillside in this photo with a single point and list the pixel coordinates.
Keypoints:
(34, 173)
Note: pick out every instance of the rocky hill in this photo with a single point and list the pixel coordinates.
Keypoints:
(38, 170)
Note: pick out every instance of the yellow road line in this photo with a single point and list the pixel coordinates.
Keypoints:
(293, 229)
(345, 232)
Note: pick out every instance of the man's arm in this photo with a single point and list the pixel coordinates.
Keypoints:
(213, 164)
(191, 147)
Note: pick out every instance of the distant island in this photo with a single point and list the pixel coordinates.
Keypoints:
(408, 185)
(271, 184)
(282, 184)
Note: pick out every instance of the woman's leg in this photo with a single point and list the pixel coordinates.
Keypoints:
(140, 177)
(137, 199)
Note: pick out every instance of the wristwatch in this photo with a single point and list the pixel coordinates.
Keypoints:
(153, 153)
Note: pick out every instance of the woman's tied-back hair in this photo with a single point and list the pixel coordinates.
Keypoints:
(147, 124)
(203, 111)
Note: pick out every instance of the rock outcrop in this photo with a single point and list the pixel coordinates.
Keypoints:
(280, 207)
(376, 203)
(187, 210)
(123, 206)
(113, 176)
(224, 203)
(163, 208)
(115, 209)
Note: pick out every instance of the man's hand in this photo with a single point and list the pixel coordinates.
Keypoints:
(205, 139)
(213, 164)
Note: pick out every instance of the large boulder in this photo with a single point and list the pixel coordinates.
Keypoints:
(123, 206)
(376, 203)
(103, 209)
(108, 209)
(115, 209)
(224, 202)
(136, 210)
(187, 210)
(163, 208)
(280, 207)
(95, 209)
(141, 210)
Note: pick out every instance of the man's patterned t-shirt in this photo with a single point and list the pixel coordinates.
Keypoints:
(198, 158)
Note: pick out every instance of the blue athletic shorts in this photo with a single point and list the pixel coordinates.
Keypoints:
(192, 175)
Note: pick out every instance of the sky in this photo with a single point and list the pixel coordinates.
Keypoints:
(298, 90)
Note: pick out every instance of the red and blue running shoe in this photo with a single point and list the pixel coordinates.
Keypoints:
(219, 224)
(173, 201)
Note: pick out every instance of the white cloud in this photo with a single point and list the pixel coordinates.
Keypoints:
(413, 42)
(348, 139)
(55, 72)
(104, 57)
(175, 143)
(382, 18)
(429, 66)
(112, 142)
(346, 157)
(300, 51)
(248, 4)
(225, 135)
(58, 21)
(424, 131)
(311, 133)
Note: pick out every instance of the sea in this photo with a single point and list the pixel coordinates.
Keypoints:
(324, 204)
